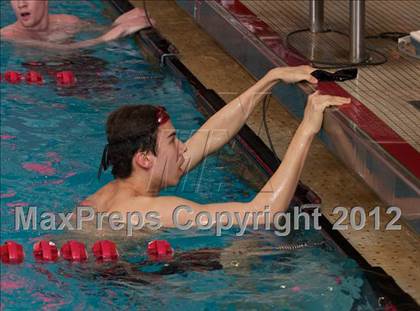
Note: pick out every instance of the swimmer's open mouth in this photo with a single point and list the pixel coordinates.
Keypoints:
(25, 14)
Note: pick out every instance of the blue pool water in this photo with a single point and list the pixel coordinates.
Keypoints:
(51, 143)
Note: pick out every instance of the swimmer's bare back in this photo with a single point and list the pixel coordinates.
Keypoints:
(106, 199)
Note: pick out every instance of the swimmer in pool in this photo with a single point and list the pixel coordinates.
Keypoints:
(146, 155)
(35, 27)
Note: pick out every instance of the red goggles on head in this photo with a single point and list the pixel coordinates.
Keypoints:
(161, 115)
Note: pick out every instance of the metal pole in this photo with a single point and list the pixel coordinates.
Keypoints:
(357, 31)
(316, 15)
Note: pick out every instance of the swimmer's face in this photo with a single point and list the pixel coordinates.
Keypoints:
(168, 163)
(30, 13)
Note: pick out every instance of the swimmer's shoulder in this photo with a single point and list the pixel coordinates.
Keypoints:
(9, 32)
(97, 199)
(13, 33)
(109, 198)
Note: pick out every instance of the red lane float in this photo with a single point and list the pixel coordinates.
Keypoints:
(74, 251)
(46, 251)
(12, 77)
(105, 250)
(159, 250)
(33, 77)
(12, 252)
(65, 78)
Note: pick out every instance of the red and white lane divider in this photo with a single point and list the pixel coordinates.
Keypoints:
(75, 251)
(62, 78)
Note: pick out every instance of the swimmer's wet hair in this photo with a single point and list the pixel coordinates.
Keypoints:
(130, 129)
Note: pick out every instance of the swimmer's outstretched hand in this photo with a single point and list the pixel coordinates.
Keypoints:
(126, 28)
(132, 14)
(314, 110)
(294, 74)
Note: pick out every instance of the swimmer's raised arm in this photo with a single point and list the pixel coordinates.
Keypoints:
(278, 191)
(87, 25)
(226, 123)
(135, 13)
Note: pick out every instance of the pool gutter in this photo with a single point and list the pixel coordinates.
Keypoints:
(381, 282)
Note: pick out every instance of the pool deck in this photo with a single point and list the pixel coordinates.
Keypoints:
(395, 251)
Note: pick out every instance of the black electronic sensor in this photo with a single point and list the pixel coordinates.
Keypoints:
(340, 75)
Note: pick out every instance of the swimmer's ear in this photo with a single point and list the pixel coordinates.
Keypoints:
(143, 159)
